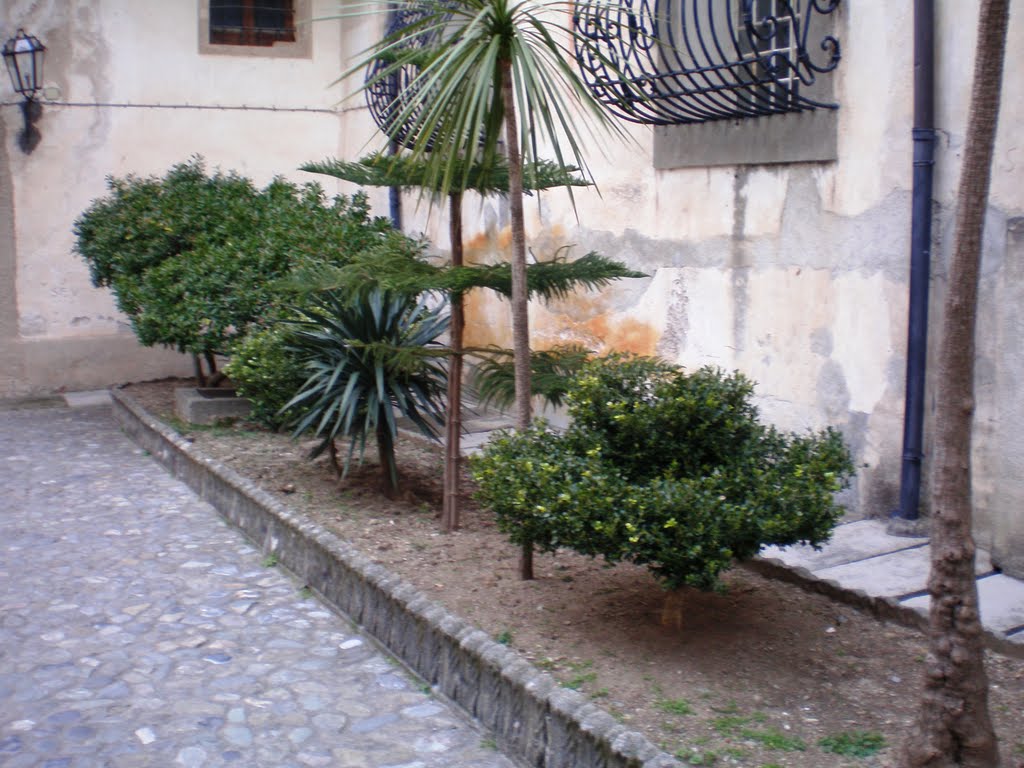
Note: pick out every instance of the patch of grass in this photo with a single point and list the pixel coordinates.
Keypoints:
(675, 706)
(305, 593)
(773, 738)
(504, 637)
(697, 757)
(270, 561)
(853, 743)
(487, 742)
(729, 725)
(601, 693)
(548, 665)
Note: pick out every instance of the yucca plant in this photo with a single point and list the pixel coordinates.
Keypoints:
(369, 356)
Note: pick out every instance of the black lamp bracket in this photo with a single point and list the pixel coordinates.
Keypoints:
(29, 138)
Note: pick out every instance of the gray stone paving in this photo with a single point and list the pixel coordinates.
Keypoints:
(137, 629)
(864, 556)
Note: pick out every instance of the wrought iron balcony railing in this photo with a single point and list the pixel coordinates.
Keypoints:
(694, 61)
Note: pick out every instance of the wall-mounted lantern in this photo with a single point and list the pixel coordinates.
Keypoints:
(23, 55)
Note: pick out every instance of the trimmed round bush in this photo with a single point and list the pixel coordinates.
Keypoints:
(665, 469)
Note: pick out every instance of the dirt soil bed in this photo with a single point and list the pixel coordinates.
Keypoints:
(762, 675)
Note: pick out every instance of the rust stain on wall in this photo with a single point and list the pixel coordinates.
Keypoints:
(488, 324)
(477, 246)
(584, 318)
(602, 333)
(487, 320)
(629, 335)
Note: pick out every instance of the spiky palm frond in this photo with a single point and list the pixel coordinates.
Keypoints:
(556, 278)
(551, 371)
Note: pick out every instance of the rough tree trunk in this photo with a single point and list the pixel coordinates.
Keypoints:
(520, 299)
(453, 421)
(197, 369)
(953, 726)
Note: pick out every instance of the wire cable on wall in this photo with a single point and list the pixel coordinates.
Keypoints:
(210, 107)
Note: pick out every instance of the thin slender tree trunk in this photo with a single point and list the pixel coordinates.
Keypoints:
(453, 420)
(332, 451)
(954, 727)
(520, 298)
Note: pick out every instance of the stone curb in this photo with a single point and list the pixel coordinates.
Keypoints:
(532, 717)
(884, 608)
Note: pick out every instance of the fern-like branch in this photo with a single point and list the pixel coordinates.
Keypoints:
(382, 170)
(551, 371)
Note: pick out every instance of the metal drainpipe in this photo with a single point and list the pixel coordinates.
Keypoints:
(394, 193)
(920, 258)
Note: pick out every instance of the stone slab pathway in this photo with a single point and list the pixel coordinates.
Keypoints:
(863, 556)
(137, 629)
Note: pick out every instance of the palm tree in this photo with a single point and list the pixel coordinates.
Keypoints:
(954, 727)
(491, 70)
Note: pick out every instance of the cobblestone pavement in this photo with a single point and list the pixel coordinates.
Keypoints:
(137, 629)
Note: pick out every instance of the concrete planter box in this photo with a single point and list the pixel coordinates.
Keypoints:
(206, 405)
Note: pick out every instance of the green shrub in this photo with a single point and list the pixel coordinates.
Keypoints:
(265, 371)
(716, 486)
(652, 421)
(193, 259)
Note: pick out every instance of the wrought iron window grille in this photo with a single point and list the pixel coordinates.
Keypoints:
(391, 87)
(695, 61)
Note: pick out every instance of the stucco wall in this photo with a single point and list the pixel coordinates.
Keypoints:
(797, 273)
(106, 60)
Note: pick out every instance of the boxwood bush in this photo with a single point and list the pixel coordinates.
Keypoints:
(665, 469)
(193, 258)
(266, 371)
